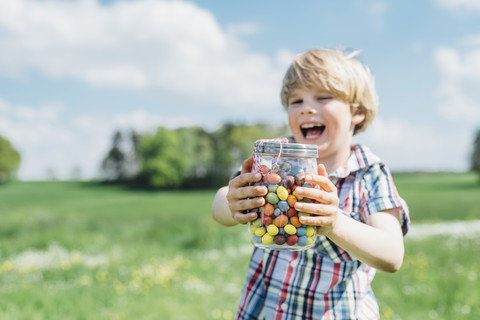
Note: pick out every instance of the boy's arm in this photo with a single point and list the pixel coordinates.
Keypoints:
(378, 243)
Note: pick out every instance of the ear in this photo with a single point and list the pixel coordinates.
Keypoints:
(357, 117)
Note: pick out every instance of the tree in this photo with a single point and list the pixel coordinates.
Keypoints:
(113, 166)
(162, 162)
(475, 161)
(9, 160)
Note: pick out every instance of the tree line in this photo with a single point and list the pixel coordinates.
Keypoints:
(182, 158)
(178, 158)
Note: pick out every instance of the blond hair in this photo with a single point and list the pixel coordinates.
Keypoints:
(338, 73)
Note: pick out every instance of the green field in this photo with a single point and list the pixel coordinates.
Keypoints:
(73, 250)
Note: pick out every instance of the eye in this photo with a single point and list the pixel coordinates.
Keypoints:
(295, 101)
(322, 98)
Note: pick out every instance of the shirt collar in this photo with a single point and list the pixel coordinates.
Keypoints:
(360, 157)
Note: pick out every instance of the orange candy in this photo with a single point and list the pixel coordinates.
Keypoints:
(291, 200)
(268, 209)
(295, 222)
(272, 178)
(281, 221)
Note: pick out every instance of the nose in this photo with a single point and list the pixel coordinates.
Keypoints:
(308, 109)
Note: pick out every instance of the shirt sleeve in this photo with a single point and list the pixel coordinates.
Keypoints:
(382, 194)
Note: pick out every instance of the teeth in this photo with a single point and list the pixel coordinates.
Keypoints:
(310, 125)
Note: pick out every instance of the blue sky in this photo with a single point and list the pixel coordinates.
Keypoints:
(73, 71)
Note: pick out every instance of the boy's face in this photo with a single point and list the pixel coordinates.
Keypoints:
(317, 117)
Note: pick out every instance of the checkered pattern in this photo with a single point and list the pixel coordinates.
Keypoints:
(324, 282)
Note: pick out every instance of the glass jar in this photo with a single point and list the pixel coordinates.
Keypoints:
(283, 166)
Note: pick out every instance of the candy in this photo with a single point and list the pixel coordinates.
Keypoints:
(267, 238)
(272, 178)
(281, 221)
(292, 240)
(268, 209)
(278, 224)
(290, 229)
(260, 231)
(283, 205)
(282, 193)
(279, 239)
(302, 241)
(272, 229)
(295, 222)
(272, 198)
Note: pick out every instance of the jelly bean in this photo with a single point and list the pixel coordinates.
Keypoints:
(260, 231)
(295, 222)
(302, 241)
(281, 221)
(292, 240)
(267, 238)
(301, 231)
(268, 209)
(272, 178)
(272, 229)
(291, 200)
(272, 187)
(281, 231)
(272, 198)
(286, 166)
(301, 214)
(257, 222)
(279, 239)
(282, 193)
(310, 231)
(299, 179)
(310, 240)
(296, 170)
(291, 212)
(256, 239)
(283, 205)
(288, 182)
(277, 212)
(307, 185)
(267, 220)
(290, 229)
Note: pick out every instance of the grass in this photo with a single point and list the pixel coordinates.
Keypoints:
(82, 251)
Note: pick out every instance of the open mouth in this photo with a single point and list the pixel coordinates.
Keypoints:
(312, 130)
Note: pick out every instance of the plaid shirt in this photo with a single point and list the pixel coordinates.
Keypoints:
(324, 282)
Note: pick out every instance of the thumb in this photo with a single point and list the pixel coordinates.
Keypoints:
(322, 171)
(247, 165)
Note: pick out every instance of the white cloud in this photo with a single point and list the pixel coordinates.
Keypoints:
(460, 4)
(406, 146)
(173, 45)
(458, 95)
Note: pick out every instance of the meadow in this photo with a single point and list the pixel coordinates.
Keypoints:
(79, 250)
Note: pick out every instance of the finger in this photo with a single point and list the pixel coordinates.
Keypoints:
(244, 218)
(318, 195)
(247, 165)
(237, 193)
(324, 182)
(315, 208)
(245, 179)
(246, 204)
(322, 171)
(319, 221)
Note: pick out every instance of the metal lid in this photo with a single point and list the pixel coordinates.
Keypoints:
(290, 149)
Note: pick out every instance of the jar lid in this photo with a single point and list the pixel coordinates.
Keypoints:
(290, 149)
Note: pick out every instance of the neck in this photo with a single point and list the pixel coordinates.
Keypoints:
(334, 162)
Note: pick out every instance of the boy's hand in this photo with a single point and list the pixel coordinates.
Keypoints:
(243, 196)
(324, 212)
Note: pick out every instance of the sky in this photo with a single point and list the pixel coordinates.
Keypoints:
(74, 71)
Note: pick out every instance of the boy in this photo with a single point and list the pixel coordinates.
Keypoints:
(329, 97)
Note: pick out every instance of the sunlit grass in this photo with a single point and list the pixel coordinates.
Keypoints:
(83, 251)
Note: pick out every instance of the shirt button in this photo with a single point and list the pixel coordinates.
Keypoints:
(294, 263)
(283, 306)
